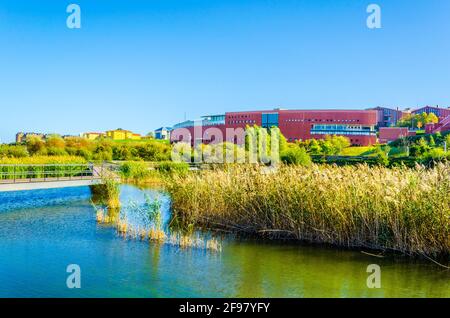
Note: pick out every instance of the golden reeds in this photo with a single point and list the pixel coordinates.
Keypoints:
(400, 209)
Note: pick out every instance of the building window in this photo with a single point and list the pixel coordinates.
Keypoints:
(269, 120)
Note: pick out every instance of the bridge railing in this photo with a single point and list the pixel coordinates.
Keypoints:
(12, 173)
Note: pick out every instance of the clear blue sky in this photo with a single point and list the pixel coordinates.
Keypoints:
(143, 64)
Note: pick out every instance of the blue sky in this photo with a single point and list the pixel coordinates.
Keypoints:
(143, 64)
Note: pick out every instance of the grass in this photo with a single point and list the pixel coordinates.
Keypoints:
(27, 167)
(40, 160)
(144, 173)
(357, 151)
(397, 209)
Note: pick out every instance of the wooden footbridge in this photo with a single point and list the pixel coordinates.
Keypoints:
(48, 176)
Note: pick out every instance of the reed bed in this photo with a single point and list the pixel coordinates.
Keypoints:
(399, 209)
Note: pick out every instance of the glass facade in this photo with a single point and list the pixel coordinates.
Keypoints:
(269, 120)
(357, 130)
(213, 120)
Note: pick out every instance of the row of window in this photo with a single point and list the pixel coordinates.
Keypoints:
(340, 127)
(323, 120)
(343, 132)
(242, 122)
(212, 123)
(239, 116)
(352, 141)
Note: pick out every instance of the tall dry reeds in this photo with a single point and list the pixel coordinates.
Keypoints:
(400, 209)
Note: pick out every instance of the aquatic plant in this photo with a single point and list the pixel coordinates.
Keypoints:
(398, 209)
(107, 192)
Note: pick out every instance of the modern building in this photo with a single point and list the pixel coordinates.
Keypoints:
(357, 125)
(163, 133)
(121, 134)
(388, 117)
(440, 112)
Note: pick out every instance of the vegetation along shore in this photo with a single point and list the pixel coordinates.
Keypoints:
(394, 209)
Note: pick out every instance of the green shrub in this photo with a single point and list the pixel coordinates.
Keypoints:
(297, 156)
(134, 170)
(381, 156)
(173, 167)
(12, 151)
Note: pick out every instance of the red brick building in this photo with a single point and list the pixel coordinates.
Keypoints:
(357, 125)
(388, 134)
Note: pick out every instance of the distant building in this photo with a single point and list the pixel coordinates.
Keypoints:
(69, 136)
(93, 135)
(184, 124)
(121, 134)
(440, 112)
(22, 136)
(388, 117)
(162, 133)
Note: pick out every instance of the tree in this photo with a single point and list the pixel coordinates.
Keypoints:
(432, 143)
(382, 156)
(406, 121)
(55, 141)
(35, 145)
(432, 119)
(419, 124)
(296, 155)
(339, 143)
(314, 147)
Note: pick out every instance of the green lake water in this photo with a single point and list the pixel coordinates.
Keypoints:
(42, 232)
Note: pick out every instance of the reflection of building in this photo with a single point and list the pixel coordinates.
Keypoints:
(163, 133)
(121, 134)
(388, 117)
(21, 136)
(93, 135)
(357, 125)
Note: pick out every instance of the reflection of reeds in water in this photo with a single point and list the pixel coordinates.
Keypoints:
(214, 245)
(194, 241)
(152, 229)
(157, 235)
(122, 226)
